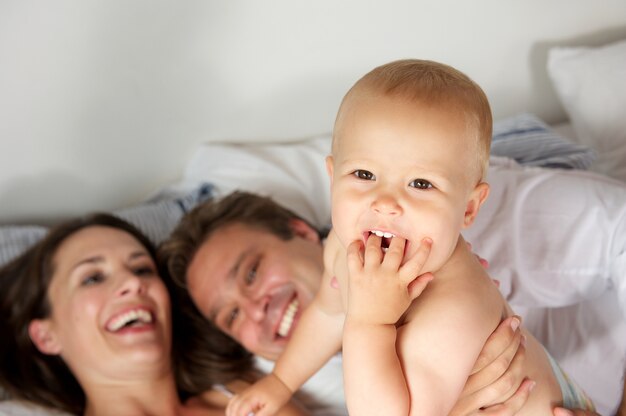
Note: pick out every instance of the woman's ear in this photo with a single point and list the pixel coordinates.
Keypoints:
(477, 197)
(43, 337)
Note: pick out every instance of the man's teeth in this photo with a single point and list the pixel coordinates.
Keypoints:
(287, 321)
(139, 315)
(382, 234)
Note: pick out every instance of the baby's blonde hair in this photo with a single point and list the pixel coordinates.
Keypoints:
(436, 84)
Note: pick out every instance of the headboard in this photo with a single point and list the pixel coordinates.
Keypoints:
(103, 103)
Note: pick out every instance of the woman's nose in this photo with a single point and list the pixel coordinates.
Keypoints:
(131, 284)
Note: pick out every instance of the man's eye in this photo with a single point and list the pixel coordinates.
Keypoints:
(421, 184)
(231, 317)
(364, 174)
(92, 279)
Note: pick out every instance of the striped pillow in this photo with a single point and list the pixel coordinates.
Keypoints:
(531, 142)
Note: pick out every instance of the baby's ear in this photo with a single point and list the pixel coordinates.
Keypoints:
(43, 337)
(477, 197)
(330, 167)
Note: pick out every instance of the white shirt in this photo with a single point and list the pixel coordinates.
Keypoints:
(556, 241)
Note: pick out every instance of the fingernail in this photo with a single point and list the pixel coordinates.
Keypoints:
(515, 322)
(523, 341)
(560, 411)
(532, 385)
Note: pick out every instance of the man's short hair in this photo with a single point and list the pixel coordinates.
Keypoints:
(199, 224)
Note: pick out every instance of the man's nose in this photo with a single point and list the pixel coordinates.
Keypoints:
(386, 204)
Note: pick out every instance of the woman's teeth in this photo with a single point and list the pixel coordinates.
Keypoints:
(287, 321)
(135, 315)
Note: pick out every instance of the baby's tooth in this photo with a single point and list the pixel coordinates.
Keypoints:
(387, 235)
(378, 233)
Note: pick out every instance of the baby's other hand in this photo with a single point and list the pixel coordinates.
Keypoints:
(263, 398)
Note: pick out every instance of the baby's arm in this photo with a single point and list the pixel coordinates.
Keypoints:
(316, 338)
(379, 293)
(219, 397)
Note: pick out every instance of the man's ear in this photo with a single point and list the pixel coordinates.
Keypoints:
(43, 337)
(477, 197)
(303, 230)
(330, 167)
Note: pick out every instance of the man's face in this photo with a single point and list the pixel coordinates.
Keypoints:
(253, 285)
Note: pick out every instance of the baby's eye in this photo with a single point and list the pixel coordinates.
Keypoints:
(364, 174)
(92, 279)
(421, 184)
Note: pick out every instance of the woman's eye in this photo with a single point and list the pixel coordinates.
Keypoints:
(421, 184)
(144, 271)
(364, 174)
(231, 317)
(92, 279)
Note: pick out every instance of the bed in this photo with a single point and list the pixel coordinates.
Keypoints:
(562, 109)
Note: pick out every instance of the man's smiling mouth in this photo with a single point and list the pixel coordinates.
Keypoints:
(288, 317)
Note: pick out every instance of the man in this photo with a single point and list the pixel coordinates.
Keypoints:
(253, 283)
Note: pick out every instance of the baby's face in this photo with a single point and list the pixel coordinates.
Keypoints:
(402, 168)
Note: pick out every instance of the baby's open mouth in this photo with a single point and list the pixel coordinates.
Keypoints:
(385, 238)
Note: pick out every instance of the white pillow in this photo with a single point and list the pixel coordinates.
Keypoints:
(591, 84)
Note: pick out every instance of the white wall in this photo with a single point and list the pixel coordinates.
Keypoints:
(103, 102)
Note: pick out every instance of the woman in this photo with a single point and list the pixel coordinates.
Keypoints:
(87, 327)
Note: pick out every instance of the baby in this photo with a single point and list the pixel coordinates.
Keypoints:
(409, 154)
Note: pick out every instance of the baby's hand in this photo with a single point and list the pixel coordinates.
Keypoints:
(380, 287)
(263, 398)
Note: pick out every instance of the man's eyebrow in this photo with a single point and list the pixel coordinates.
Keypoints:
(232, 274)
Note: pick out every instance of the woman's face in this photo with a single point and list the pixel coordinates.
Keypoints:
(110, 308)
